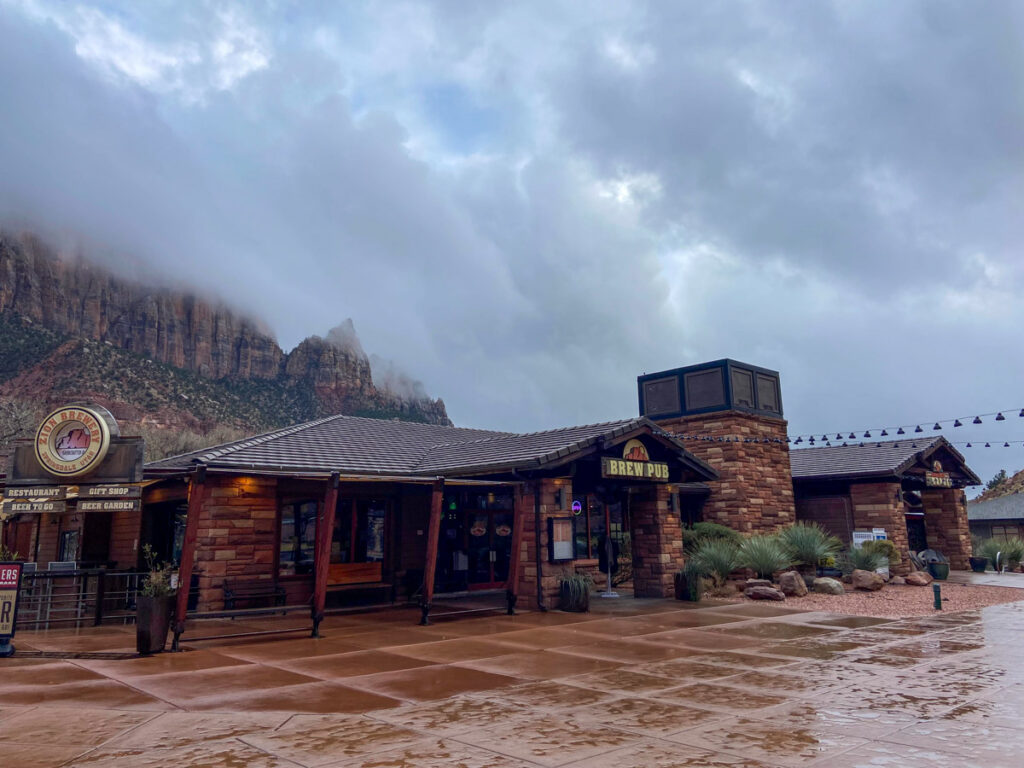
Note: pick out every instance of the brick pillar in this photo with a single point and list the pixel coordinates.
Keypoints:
(657, 542)
(880, 505)
(945, 520)
(237, 534)
(549, 572)
(755, 491)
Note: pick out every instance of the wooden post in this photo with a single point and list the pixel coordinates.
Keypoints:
(324, 536)
(514, 561)
(433, 534)
(196, 488)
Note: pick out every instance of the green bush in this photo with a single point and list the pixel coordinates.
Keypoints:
(1013, 550)
(764, 555)
(885, 548)
(808, 544)
(860, 559)
(574, 591)
(716, 558)
(701, 532)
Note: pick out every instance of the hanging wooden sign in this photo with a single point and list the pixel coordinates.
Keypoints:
(36, 493)
(110, 491)
(110, 505)
(36, 507)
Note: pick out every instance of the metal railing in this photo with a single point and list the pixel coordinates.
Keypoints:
(77, 598)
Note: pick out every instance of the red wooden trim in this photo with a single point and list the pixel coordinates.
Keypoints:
(514, 561)
(196, 493)
(325, 533)
(433, 534)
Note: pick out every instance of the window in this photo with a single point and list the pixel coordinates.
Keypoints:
(590, 528)
(1005, 532)
(359, 531)
(298, 538)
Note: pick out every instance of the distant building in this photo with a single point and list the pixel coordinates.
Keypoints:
(1000, 518)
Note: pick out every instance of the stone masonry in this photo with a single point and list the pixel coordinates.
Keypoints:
(945, 521)
(237, 534)
(657, 542)
(880, 505)
(755, 491)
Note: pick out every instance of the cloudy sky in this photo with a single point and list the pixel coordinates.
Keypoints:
(528, 204)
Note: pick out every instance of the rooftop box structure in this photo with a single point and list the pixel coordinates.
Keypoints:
(721, 385)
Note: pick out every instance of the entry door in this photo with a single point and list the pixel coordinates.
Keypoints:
(489, 548)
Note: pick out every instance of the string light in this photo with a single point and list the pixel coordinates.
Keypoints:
(937, 426)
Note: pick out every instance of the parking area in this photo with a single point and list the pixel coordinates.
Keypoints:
(633, 683)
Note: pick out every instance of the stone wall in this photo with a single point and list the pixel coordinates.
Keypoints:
(945, 521)
(880, 505)
(657, 542)
(549, 571)
(755, 491)
(237, 534)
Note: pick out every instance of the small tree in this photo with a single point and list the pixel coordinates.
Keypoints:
(997, 481)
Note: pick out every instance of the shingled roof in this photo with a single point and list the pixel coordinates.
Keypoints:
(350, 444)
(885, 458)
(1010, 507)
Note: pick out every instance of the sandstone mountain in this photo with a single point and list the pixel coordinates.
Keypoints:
(161, 358)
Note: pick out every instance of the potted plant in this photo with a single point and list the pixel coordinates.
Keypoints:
(689, 581)
(154, 605)
(574, 592)
(978, 564)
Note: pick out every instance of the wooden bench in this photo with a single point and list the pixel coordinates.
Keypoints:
(252, 591)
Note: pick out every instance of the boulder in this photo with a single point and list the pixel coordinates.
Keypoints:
(763, 593)
(867, 580)
(918, 579)
(758, 583)
(828, 586)
(898, 581)
(792, 584)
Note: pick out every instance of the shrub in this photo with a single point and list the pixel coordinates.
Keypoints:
(1013, 550)
(808, 544)
(860, 559)
(574, 590)
(716, 558)
(156, 583)
(885, 548)
(7, 555)
(993, 550)
(701, 532)
(764, 555)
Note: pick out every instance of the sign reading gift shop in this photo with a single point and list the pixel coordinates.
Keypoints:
(10, 582)
(635, 464)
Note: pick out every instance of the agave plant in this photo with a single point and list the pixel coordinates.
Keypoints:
(861, 559)
(717, 558)
(764, 555)
(694, 538)
(1014, 552)
(993, 550)
(808, 544)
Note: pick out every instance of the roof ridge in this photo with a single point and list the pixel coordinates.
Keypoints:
(870, 442)
(578, 426)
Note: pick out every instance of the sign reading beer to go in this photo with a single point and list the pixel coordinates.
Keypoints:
(72, 441)
(635, 464)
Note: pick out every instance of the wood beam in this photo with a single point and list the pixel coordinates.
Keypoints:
(514, 562)
(324, 537)
(196, 493)
(433, 535)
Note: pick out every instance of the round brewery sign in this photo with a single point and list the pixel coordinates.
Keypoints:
(72, 441)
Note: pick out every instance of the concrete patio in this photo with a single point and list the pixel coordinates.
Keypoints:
(634, 683)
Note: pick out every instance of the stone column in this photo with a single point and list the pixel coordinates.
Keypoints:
(880, 505)
(945, 520)
(549, 572)
(657, 542)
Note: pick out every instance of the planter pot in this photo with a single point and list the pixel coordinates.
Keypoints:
(939, 571)
(687, 589)
(575, 601)
(979, 564)
(152, 622)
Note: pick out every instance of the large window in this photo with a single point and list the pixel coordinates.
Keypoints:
(1005, 532)
(359, 531)
(590, 527)
(298, 538)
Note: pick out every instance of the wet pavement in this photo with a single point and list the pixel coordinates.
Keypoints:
(634, 683)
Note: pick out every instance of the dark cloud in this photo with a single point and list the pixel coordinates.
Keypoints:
(527, 206)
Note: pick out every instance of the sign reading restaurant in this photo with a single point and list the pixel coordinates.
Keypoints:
(635, 464)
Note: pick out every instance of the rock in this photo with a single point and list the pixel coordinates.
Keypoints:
(898, 581)
(763, 593)
(828, 586)
(918, 579)
(867, 580)
(758, 583)
(792, 584)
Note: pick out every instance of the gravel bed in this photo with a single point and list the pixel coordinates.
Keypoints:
(899, 601)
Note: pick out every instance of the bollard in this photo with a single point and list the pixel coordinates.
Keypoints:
(938, 596)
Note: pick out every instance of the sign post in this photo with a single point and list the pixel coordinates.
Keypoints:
(10, 583)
